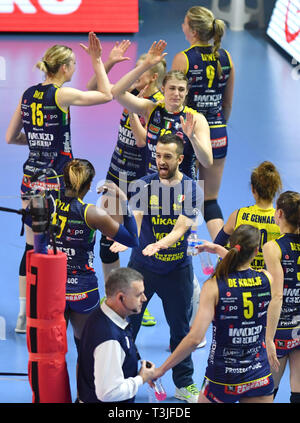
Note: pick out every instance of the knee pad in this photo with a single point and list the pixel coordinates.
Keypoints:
(295, 398)
(106, 255)
(22, 268)
(212, 210)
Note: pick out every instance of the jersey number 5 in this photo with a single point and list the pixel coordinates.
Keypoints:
(248, 305)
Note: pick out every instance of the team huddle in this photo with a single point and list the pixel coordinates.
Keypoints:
(172, 134)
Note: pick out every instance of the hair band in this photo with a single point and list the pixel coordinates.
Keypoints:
(214, 25)
(238, 247)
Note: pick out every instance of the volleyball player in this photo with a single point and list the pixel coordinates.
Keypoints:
(265, 183)
(282, 257)
(78, 225)
(235, 300)
(210, 72)
(44, 114)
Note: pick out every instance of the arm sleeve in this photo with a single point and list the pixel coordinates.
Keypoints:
(110, 384)
(127, 233)
(222, 238)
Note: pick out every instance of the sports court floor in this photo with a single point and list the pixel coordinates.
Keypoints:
(264, 126)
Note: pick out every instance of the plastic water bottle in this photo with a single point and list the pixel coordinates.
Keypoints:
(192, 243)
(157, 393)
(206, 263)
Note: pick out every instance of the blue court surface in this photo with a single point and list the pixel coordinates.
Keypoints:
(264, 126)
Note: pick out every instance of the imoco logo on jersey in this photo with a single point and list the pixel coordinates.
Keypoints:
(289, 34)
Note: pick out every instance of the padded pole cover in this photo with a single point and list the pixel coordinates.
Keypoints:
(46, 327)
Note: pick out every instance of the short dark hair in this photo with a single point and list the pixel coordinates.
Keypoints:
(173, 139)
(120, 280)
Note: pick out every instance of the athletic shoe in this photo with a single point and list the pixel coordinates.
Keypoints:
(21, 324)
(102, 299)
(188, 393)
(202, 343)
(148, 320)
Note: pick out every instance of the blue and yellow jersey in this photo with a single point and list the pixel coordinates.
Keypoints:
(206, 86)
(47, 129)
(161, 122)
(263, 220)
(289, 245)
(238, 351)
(162, 205)
(128, 161)
(77, 240)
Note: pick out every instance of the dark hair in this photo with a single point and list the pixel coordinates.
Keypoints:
(266, 181)
(243, 242)
(78, 174)
(289, 203)
(120, 280)
(172, 139)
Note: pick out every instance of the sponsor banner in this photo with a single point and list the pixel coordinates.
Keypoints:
(284, 26)
(69, 16)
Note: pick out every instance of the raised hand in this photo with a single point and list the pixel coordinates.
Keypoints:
(117, 52)
(188, 124)
(94, 48)
(156, 52)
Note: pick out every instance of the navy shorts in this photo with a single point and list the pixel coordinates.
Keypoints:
(287, 340)
(82, 294)
(221, 393)
(219, 142)
(83, 302)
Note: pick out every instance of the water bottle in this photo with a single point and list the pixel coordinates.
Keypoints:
(206, 263)
(192, 241)
(157, 393)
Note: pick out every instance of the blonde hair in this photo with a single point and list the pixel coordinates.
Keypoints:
(160, 68)
(203, 22)
(179, 75)
(54, 57)
(78, 174)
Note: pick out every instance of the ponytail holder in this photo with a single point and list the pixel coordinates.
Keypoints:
(214, 25)
(238, 247)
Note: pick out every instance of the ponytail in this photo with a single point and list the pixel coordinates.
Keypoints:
(53, 58)
(218, 28)
(202, 21)
(243, 243)
(78, 174)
